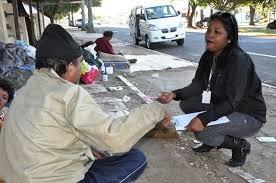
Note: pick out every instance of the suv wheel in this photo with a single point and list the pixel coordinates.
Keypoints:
(180, 42)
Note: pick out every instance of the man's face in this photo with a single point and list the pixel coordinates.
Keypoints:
(4, 97)
(73, 72)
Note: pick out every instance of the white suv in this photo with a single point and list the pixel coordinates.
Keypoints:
(156, 23)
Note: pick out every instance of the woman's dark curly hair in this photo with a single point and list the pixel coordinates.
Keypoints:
(7, 86)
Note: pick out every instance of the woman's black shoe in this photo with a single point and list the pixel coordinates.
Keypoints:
(239, 154)
(240, 149)
(200, 148)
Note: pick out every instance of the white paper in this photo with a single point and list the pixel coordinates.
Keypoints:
(266, 139)
(181, 122)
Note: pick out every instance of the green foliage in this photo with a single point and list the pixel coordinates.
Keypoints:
(60, 10)
(265, 7)
(263, 3)
(95, 3)
(57, 9)
(195, 3)
(230, 5)
(226, 5)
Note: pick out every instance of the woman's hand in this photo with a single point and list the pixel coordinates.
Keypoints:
(195, 125)
(166, 97)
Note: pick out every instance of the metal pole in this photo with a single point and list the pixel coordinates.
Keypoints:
(16, 23)
(38, 18)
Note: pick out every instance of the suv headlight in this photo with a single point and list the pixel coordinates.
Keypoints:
(153, 27)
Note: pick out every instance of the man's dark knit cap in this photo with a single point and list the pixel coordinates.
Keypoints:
(56, 42)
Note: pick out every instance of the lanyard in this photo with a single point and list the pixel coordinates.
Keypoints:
(211, 73)
(209, 81)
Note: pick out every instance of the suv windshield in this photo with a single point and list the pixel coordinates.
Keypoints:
(160, 12)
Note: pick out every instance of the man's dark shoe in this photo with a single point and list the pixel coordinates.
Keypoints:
(200, 148)
(132, 61)
(239, 154)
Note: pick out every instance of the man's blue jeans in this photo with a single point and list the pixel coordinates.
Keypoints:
(117, 169)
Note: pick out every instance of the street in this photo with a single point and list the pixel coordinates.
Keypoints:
(261, 49)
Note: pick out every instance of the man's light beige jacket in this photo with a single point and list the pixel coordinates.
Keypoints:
(51, 125)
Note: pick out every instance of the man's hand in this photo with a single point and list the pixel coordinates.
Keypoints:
(2, 116)
(166, 97)
(195, 125)
(1, 122)
(166, 121)
(97, 154)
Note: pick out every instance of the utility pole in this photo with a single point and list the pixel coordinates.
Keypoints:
(90, 28)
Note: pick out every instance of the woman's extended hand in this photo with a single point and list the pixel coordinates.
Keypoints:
(195, 125)
(166, 97)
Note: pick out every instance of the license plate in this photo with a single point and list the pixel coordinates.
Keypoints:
(170, 36)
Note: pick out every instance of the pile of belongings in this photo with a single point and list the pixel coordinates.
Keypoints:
(88, 73)
(90, 65)
(17, 62)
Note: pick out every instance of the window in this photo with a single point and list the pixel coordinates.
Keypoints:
(161, 12)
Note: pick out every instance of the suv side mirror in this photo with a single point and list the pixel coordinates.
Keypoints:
(178, 12)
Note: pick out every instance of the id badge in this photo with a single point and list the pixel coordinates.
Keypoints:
(206, 97)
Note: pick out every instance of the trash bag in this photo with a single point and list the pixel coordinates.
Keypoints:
(30, 50)
(88, 73)
(90, 59)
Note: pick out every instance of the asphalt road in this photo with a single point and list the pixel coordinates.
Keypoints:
(261, 49)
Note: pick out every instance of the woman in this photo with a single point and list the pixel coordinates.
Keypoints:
(6, 95)
(225, 84)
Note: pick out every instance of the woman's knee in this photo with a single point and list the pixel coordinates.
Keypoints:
(209, 138)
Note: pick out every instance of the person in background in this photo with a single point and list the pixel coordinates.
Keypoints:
(54, 124)
(103, 43)
(105, 50)
(225, 84)
(6, 96)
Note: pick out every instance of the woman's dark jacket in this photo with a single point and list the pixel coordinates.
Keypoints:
(235, 86)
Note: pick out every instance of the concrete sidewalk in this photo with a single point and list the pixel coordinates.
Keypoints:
(173, 160)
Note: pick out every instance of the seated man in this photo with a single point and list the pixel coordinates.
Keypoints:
(105, 50)
(6, 95)
(55, 123)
